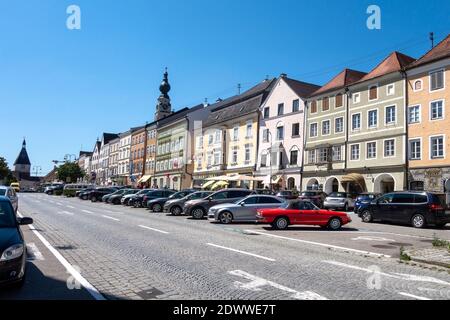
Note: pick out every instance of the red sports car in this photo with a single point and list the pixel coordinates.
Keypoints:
(302, 213)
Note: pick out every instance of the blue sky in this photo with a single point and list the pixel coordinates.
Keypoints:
(62, 88)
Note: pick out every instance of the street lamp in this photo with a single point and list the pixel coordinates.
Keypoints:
(37, 170)
(269, 134)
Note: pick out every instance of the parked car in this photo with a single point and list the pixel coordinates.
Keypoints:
(15, 186)
(106, 197)
(79, 193)
(199, 208)
(70, 190)
(50, 190)
(364, 199)
(116, 198)
(339, 200)
(128, 199)
(415, 208)
(157, 205)
(287, 195)
(97, 194)
(10, 193)
(302, 212)
(13, 255)
(143, 199)
(243, 210)
(176, 206)
(316, 197)
(267, 192)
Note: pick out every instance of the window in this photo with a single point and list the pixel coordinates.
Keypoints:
(371, 150)
(437, 80)
(356, 98)
(234, 156)
(210, 139)
(415, 149)
(263, 160)
(437, 147)
(339, 100)
(337, 153)
(390, 89)
(418, 85)
(313, 106)
(312, 156)
(281, 109)
(354, 152)
(389, 148)
(209, 161)
(373, 93)
(325, 104)
(266, 112)
(216, 158)
(326, 127)
(266, 134)
(280, 133)
(268, 200)
(296, 129)
(414, 114)
(313, 132)
(417, 185)
(404, 198)
(249, 130)
(247, 153)
(294, 158)
(390, 115)
(324, 155)
(295, 105)
(218, 136)
(339, 125)
(372, 118)
(235, 133)
(356, 121)
(437, 110)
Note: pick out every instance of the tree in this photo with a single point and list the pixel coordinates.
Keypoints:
(6, 175)
(70, 172)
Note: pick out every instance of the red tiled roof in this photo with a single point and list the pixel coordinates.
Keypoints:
(343, 79)
(440, 51)
(396, 61)
(302, 89)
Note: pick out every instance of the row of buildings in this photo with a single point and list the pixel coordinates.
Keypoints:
(378, 131)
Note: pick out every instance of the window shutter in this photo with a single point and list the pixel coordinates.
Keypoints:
(314, 106)
(373, 93)
(339, 100)
(325, 104)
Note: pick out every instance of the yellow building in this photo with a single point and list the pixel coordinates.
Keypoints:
(227, 142)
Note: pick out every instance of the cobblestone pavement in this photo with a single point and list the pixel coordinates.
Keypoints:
(129, 253)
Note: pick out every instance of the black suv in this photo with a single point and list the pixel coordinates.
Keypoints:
(411, 207)
(97, 194)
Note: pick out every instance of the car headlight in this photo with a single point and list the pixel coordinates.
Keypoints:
(12, 252)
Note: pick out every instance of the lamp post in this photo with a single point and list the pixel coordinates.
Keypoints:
(37, 170)
(269, 134)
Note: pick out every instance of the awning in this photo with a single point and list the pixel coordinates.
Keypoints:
(207, 184)
(219, 184)
(240, 177)
(218, 178)
(275, 180)
(144, 179)
(354, 178)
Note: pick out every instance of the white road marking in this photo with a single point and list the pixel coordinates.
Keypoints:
(66, 212)
(33, 252)
(70, 207)
(398, 276)
(111, 218)
(413, 296)
(257, 282)
(70, 269)
(242, 252)
(366, 238)
(87, 211)
(153, 229)
(323, 244)
(59, 203)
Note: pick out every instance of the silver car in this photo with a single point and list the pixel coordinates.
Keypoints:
(243, 210)
(10, 193)
(339, 200)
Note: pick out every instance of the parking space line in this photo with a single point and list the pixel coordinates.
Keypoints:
(70, 269)
(153, 229)
(413, 296)
(110, 218)
(66, 212)
(87, 211)
(242, 252)
(322, 244)
(70, 207)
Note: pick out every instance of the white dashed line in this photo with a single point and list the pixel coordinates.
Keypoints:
(66, 212)
(87, 211)
(153, 229)
(242, 252)
(111, 218)
(413, 296)
(70, 207)
(322, 244)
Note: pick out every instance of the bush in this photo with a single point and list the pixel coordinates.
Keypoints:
(69, 193)
(58, 192)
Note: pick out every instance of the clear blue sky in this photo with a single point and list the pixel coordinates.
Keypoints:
(62, 89)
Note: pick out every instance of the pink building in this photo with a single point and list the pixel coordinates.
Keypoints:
(281, 134)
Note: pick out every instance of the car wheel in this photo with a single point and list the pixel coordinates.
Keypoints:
(198, 213)
(281, 223)
(176, 210)
(346, 207)
(366, 216)
(156, 207)
(225, 217)
(94, 199)
(334, 224)
(418, 221)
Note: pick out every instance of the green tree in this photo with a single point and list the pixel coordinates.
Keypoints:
(69, 172)
(6, 175)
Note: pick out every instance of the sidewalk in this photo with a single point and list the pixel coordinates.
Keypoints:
(433, 256)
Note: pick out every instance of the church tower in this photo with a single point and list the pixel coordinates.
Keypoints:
(163, 108)
(22, 165)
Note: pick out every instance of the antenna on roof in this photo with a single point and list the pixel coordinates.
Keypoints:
(239, 88)
(205, 104)
(432, 39)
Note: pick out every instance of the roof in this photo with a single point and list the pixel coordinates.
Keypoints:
(343, 79)
(239, 105)
(85, 153)
(107, 137)
(395, 62)
(177, 115)
(133, 130)
(302, 89)
(440, 51)
(23, 158)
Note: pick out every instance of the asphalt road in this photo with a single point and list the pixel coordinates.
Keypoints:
(128, 253)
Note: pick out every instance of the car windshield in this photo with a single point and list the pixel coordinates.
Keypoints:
(308, 194)
(2, 192)
(338, 195)
(7, 217)
(366, 197)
